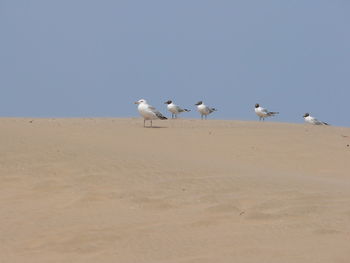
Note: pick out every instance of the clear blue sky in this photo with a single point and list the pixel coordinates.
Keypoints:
(77, 58)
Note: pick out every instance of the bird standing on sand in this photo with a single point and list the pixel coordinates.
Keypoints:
(313, 120)
(204, 110)
(148, 112)
(263, 113)
(174, 109)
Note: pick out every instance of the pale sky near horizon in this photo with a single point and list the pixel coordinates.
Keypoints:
(83, 58)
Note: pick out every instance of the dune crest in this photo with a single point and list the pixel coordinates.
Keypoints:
(108, 190)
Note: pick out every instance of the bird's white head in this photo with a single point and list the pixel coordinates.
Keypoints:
(140, 101)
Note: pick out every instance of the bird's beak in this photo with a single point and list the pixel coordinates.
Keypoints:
(136, 102)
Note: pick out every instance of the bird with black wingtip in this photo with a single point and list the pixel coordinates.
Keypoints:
(312, 120)
(174, 109)
(204, 110)
(263, 113)
(148, 112)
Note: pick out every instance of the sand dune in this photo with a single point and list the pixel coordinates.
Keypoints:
(109, 190)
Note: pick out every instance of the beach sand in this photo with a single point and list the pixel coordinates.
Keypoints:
(187, 191)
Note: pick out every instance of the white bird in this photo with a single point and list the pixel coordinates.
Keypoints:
(174, 109)
(148, 112)
(313, 120)
(263, 113)
(204, 110)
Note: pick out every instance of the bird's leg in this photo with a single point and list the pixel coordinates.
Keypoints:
(144, 123)
(202, 116)
(206, 116)
(151, 124)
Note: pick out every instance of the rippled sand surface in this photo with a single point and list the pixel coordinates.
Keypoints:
(109, 190)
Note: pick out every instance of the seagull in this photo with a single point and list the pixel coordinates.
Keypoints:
(204, 110)
(263, 113)
(148, 112)
(313, 120)
(174, 109)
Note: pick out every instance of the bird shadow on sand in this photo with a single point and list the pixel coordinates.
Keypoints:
(156, 127)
